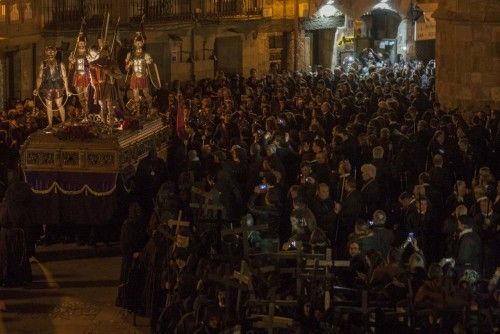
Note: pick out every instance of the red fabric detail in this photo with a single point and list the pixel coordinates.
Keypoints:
(80, 80)
(138, 83)
(53, 94)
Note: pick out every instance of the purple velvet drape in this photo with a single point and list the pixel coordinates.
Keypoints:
(97, 182)
(56, 207)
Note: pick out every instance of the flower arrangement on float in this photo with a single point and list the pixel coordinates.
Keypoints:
(131, 124)
(76, 132)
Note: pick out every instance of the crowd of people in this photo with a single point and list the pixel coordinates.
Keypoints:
(16, 124)
(361, 161)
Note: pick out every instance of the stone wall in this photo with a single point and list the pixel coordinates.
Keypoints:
(468, 53)
(26, 70)
(3, 92)
(303, 52)
(326, 44)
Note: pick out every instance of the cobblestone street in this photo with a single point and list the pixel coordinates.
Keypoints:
(73, 291)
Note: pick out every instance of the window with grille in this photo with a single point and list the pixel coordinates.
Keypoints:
(275, 49)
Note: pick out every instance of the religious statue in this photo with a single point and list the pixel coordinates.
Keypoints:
(52, 83)
(79, 61)
(108, 89)
(137, 63)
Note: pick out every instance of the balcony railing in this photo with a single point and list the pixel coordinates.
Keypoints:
(165, 10)
(231, 8)
(160, 10)
(65, 14)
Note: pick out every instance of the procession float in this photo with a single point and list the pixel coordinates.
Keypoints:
(75, 167)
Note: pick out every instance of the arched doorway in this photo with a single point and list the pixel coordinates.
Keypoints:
(380, 31)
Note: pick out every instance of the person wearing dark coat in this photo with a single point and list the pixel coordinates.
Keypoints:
(150, 175)
(154, 258)
(19, 198)
(133, 238)
(211, 322)
(275, 161)
(370, 190)
(432, 193)
(469, 247)
(432, 293)
(17, 236)
(384, 177)
(194, 165)
(178, 278)
(226, 185)
(460, 196)
(440, 178)
(352, 204)
(486, 224)
(270, 213)
(464, 163)
(419, 221)
(348, 211)
(254, 163)
(239, 166)
(357, 265)
(450, 230)
(420, 141)
(364, 237)
(479, 140)
(383, 235)
(288, 157)
(323, 208)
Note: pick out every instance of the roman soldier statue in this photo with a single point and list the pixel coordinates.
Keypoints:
(137, 65)
(109, 93)
(109, 96)
(79, 61)
(52, 83)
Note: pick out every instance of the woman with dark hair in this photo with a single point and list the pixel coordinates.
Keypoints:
(438, 145)
(432, 293)
(375, 262)
(385, 273)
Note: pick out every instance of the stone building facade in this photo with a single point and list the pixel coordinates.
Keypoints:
(189, 39)
(192, 39)
(19, 35)
(468, 53)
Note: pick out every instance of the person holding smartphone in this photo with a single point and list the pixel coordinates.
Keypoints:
(383, 235)
(270, 212)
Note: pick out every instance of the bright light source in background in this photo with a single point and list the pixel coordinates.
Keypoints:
(328, 10)
(383, 4)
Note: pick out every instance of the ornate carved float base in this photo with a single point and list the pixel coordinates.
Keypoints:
(74, 180)
(108, 153)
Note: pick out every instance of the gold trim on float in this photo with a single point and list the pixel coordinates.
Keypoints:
(55, 187)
